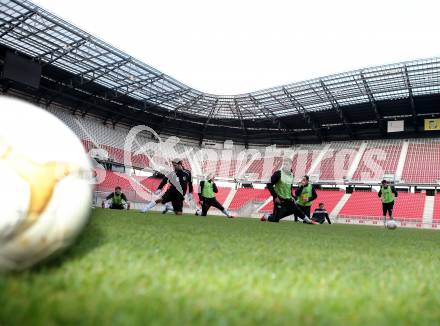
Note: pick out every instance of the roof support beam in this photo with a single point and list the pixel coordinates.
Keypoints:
(64, 50)
(338, 109)
(164, 98)
(104, 71)
(166, 117)
(140, 83)
(411, 99)
(306, 115)
(243, 126)
(273, 118)
(48, 28)
(16, 22)
(167, 96)
(69, 82)
(380, 121)
(205, 125)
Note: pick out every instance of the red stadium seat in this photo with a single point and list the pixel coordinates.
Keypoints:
(368, 204)
(378, 159)
(245, 195)
(422, 163)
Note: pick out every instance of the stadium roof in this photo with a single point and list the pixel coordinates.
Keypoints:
(121, 80)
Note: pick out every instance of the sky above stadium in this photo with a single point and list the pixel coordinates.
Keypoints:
(231, 47)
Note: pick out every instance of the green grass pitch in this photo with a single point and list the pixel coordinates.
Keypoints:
(129, 268)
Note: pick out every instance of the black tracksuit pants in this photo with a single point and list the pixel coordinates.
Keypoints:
(208, 202)
(285, 208)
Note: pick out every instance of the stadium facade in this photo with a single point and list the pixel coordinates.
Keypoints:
(87, 75)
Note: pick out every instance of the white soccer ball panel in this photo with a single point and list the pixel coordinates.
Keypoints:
(14, 201)
(392, 225)
(47, 173)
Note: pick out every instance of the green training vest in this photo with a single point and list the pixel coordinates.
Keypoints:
(283, 187)
(117, 199)
(208, 190)
(387, 195)
(305, 194)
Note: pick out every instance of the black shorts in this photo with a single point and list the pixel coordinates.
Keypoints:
(114, 206)
(387, 208)
(176, 200)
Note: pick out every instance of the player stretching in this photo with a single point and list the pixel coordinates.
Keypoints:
(207, 191)
(280, 188)
(173, 194)
(387, 194)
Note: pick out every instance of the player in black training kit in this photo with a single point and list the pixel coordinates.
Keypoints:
(320, 215)
(180, 184)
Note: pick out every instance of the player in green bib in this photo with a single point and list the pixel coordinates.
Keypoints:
(280, 187)
(207, 191)
(387, 194)
(305, 194)
(116, 200)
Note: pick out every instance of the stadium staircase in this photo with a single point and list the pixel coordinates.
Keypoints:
(356, 161)
(229, 197)
(428, 211)
(338, 207)
(402, 159)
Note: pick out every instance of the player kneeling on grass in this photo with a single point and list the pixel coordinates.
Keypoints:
(280, 188)
(207, 191)
(176, 196)
(116, 200)
(320, 215)
(305, 195)
(387, 194)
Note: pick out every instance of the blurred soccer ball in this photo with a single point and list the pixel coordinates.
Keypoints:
(391, 225)
(46, 193)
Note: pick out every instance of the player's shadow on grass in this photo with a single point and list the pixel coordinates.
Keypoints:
(86, 242)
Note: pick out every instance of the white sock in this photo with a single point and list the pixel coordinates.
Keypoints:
(149, 206)
(306, 218)
(226, 213)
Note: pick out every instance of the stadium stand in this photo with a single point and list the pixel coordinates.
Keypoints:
(222, 194)
(379, 158)
(422, 165)
(245, 195)
(132, 189)
(436, 216)
(337, 161)
(368, 205)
